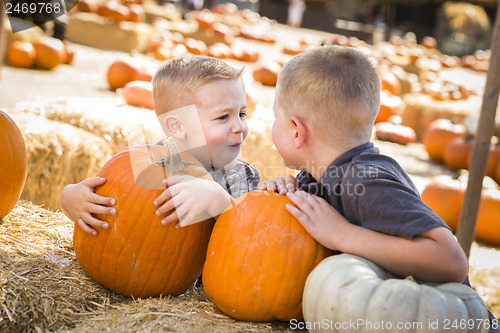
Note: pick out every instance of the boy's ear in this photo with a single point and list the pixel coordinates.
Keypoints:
(174, 126)
(300, 132)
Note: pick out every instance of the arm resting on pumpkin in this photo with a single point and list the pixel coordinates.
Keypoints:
(433, 255)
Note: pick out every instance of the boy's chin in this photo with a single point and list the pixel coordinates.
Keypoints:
(226, 165)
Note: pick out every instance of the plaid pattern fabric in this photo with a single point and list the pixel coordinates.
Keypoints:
(240, 179)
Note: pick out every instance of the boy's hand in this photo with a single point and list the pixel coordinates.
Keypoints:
(187, 197)
(318, 218)
(282, 185)
(78, 202)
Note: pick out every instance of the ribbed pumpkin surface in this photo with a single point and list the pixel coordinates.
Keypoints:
(258, 259)
(137, 255)
(13, 164)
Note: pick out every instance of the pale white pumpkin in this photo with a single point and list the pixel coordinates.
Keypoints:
(347, 293)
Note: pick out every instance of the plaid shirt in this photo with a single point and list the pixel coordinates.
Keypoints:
(240, 179)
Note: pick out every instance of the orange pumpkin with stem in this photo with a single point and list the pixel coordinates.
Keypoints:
(14, 166)
(137, 256)
(258, 259)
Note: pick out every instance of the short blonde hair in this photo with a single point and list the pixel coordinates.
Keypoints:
(176, 81)
(336, 88)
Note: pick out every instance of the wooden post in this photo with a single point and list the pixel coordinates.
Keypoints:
(481, 148)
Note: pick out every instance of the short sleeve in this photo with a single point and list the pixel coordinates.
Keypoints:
(389, 206)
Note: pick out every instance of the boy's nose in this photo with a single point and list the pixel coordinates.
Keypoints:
(237, 126)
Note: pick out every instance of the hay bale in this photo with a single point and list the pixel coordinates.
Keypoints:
(42, 285)
(119, 124)
(259, 150)
(58, 154)
(97, 31)
(43, 289)
(421, 109)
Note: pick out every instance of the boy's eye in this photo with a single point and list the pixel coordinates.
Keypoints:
(243, 114)
(223, 117)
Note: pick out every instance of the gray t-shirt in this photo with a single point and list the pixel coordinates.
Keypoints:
(373, 191)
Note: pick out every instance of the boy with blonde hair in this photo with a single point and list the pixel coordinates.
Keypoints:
(351, 198)
(200, 103)
(355, 200)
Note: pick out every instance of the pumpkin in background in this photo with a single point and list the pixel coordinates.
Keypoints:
(258, 259)
(267, 74)
(346, 289)
(493, 160)
(21, 54)
(393, 131)
(390, 105)
(457, 152)
(390, 82)
(488, 217)
(445, 195)
(437, 135)
(121, 72)
(138, 93)
(14, 166)
(50, 52)
(137, 256)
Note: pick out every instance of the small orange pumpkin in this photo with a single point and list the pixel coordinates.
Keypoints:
(396, 133)
(488, 217)
(258, 259)
(137, 256)
(268, 74)
(457, 153)
(14, 166)
(437, 135)
(50, 52)
(138, 93)
(21, 54)
(390, 82)
(390, 105)
(121, 72)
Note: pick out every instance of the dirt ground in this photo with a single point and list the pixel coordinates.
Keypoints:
(86, 77)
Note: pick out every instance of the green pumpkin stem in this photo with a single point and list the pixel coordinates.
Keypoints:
(172, 161)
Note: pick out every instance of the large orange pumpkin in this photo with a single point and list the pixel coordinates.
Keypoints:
(137, 256)
(437, 135)
(258, 259)
(21, 54)
(50, 52)
(14, 165)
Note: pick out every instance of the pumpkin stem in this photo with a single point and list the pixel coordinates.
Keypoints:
(172, 161)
